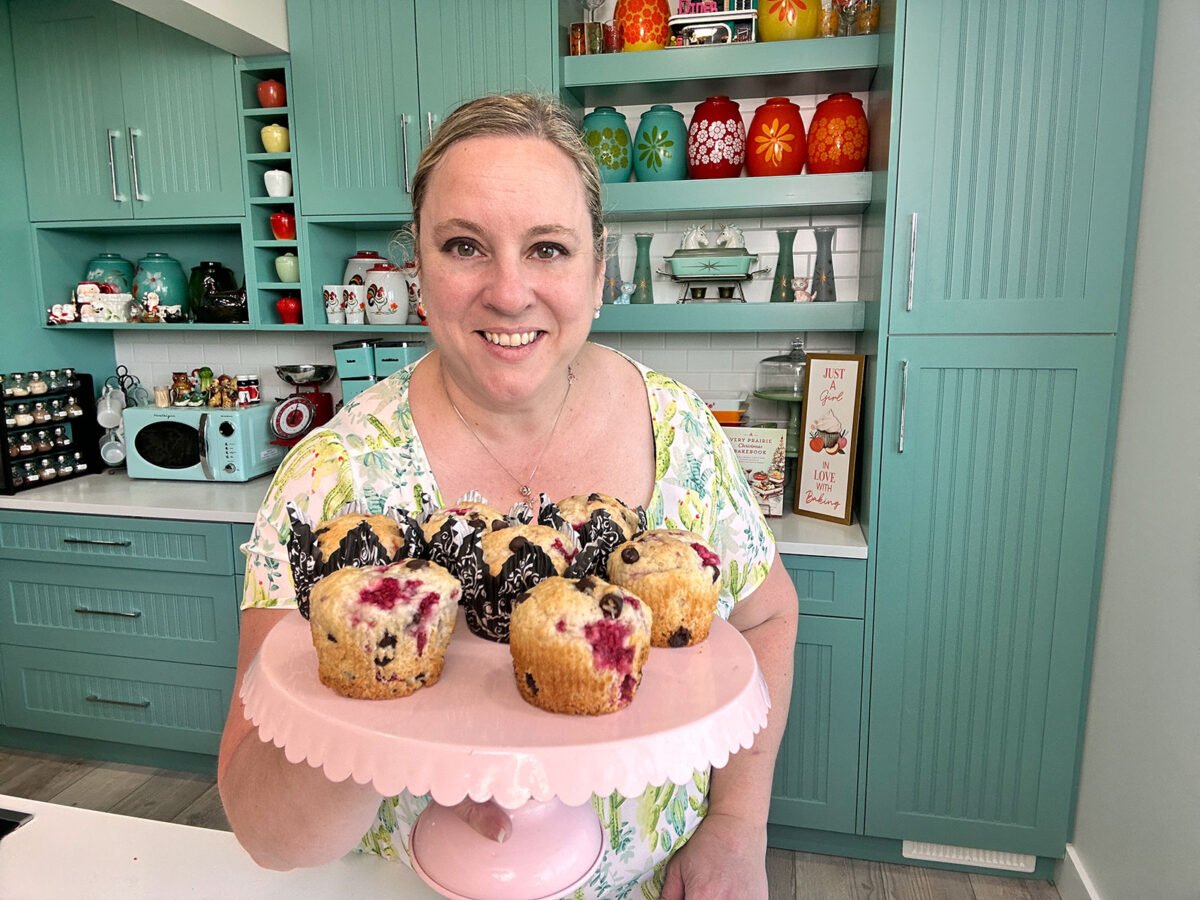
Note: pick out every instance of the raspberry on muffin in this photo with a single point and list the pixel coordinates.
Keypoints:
(502, 545)
(678, 575)
(578, 645)
(382, 631)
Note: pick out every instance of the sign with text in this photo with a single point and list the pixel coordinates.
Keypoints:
(829, 439)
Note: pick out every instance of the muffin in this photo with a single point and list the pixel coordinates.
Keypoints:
(677, 575)
(479, 516)
(578, 512)
(331, 534)
(578, 645)
(502, 545)
(381, 631)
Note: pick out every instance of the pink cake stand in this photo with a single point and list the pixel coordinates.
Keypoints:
(471, 735)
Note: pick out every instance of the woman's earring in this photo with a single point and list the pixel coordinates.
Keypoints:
(596, 314)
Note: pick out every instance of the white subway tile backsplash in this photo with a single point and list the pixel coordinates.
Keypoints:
(671, 362)
(711, 360)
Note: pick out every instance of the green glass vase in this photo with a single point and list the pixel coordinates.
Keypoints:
(643, 275)
(785, 269)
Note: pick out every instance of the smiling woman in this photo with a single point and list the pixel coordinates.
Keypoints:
(514, 402)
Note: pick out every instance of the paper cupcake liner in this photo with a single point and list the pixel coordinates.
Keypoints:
(598, 537)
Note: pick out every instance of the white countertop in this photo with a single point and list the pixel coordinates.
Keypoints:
(113, 493)
(66, 852)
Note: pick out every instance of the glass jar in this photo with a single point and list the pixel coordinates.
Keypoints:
(58, 410)
(47, 470)
(80, 463)
(65, 465)
(41, 414)
(16, 476)
(42, 442)
(54, 379)
(4, 386)
(25, 444)
(31, 473)
(17, 386)
(68, 377)
(73, 408)
(14, 447)
(22, 415)
(37, 384)
(60, 437)
(782, 377)
(10, 415)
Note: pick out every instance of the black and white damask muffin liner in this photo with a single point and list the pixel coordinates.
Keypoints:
(598, 537)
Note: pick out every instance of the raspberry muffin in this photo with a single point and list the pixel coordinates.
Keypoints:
(578, 645)
(578, 512)
(386, 531)
(677, 575)
(502, 545)
(479, 516)
(381, 631)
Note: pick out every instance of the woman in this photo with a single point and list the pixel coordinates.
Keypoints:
(515, 402)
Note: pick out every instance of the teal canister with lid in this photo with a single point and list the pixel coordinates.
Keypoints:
(163, 275)
(660, 145)
(607, 137)
(110, 268)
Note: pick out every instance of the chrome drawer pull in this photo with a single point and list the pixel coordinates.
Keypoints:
(97, 541)
(136, 614)
(92, 698)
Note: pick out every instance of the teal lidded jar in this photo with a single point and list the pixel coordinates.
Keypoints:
(110, 268)
(607, 137)
(162, 274)
(660, 145)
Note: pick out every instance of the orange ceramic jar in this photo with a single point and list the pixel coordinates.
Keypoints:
(837, 136)
(788, 20)
(643, 23)
(775, 143)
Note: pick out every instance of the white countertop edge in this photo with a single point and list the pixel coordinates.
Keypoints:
(803, 536)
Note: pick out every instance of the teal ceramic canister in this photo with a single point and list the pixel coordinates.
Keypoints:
(163, 275)
(607, 137)
(110, 268)
(660, 145)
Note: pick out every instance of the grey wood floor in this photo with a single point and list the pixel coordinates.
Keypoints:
(191, 799)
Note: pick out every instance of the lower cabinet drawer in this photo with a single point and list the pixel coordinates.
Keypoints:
(130, 701)
(120, 612)
(816, 772)
(829, 586)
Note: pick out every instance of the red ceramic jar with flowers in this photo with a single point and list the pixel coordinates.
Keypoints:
(837, 136)
(775, 143)
(643, 23)
(716, 145)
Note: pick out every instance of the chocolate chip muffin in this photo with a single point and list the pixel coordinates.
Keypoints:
(381, 631)
(331, 534)
(578, 512)
(578, 645)
(479, 516)
(500, 546)
(677, 575)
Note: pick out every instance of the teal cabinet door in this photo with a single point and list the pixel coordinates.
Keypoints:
(72, 113)
(989, 529)
(1017, 165)
(816, 772)
(354, 90)
(466, 49)
(181, 122)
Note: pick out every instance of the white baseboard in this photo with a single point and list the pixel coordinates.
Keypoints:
(1072, 880)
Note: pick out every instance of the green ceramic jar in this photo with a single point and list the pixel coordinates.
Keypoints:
(163, 275)
(660, 145)
(607, 137)
(110, 268)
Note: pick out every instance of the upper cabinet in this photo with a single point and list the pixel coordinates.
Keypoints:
(372, 78)
(124, 117)
(1018, 165)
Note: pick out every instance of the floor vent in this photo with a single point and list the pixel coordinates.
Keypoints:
(969, 856)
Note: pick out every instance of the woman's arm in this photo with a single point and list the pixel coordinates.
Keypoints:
(285, 814)
(726, 856)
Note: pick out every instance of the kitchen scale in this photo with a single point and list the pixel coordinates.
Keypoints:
(308, 407)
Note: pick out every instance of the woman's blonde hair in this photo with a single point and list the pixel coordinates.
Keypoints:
(517, 115)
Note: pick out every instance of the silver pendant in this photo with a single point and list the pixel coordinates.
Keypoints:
(525, 491)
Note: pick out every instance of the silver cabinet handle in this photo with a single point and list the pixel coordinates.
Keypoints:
(113, 134)
(135, 133)
(912, 263)
(97, 541)
(404, 151)
(92, 698)
(84, 611)
(428, 128)
(903, 403)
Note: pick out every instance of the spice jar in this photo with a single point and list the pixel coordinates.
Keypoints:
(31, 473)
(73, 408)
(16, 476)
(24, 444)
(54, 379)
(41, 415)
(37, 384)
(17, 385)
(80, 464)
(10, 416)
(22, 415)
(68, 377)
(60, 437)
(14, 448)
(58, 410)
(42, 442)
(4, 387)
(47, 470)
(65, 465)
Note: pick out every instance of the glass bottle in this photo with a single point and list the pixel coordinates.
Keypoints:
(58, 410)
(612, 269)
(31, 473)
(65, 465)
(643, 275)
(22, 415)
(41, 415)
(17, 476)
(80, 463)
(54, 379)
(785, 270)
(73, 408)
(60, 437)
(47, 470)
(68, 377)
(17, 386)
(10, 415)
(37, 384)
(14, 447)
(24, 444)
(5, 387)
(822, 287)
(42, 442)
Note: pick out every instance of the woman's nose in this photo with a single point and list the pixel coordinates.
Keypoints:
(508, 289)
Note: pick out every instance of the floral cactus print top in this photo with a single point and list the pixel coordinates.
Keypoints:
(371, 452)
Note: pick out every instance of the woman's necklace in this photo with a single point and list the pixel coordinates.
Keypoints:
(526, 489)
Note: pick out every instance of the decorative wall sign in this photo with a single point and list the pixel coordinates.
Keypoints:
(829, 440)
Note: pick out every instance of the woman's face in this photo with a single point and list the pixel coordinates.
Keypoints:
(508, 273)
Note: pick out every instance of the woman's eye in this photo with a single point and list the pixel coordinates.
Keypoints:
(462, 248)
(548, 251)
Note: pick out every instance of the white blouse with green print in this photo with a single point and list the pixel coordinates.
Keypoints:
(371, 452)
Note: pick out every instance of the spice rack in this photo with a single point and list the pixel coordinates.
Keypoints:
(81, 452)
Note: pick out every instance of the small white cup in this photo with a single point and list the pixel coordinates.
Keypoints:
(110, 406)
(112, 448)
(354, 301)
(278, 183)
(335, 311)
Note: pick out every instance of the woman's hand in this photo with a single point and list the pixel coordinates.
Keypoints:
(724, 858)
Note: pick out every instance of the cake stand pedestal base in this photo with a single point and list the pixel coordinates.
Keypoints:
(459, 863)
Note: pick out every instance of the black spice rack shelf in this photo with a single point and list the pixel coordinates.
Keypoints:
(83, 429)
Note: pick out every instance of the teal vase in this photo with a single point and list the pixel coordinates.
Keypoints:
(111, 268)
(612, 269)
(607, 137)
(660, 145)
(822, 281)
(643, 275)
(163, 275)
(785, 269)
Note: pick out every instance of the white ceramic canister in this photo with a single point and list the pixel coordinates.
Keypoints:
(359, 264)
(386, 295)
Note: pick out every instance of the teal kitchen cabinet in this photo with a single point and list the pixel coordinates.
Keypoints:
(123, 117)
(991, 506)
(372, 78)
(1018, 165)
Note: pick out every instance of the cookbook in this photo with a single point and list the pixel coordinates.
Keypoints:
(761, 452)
